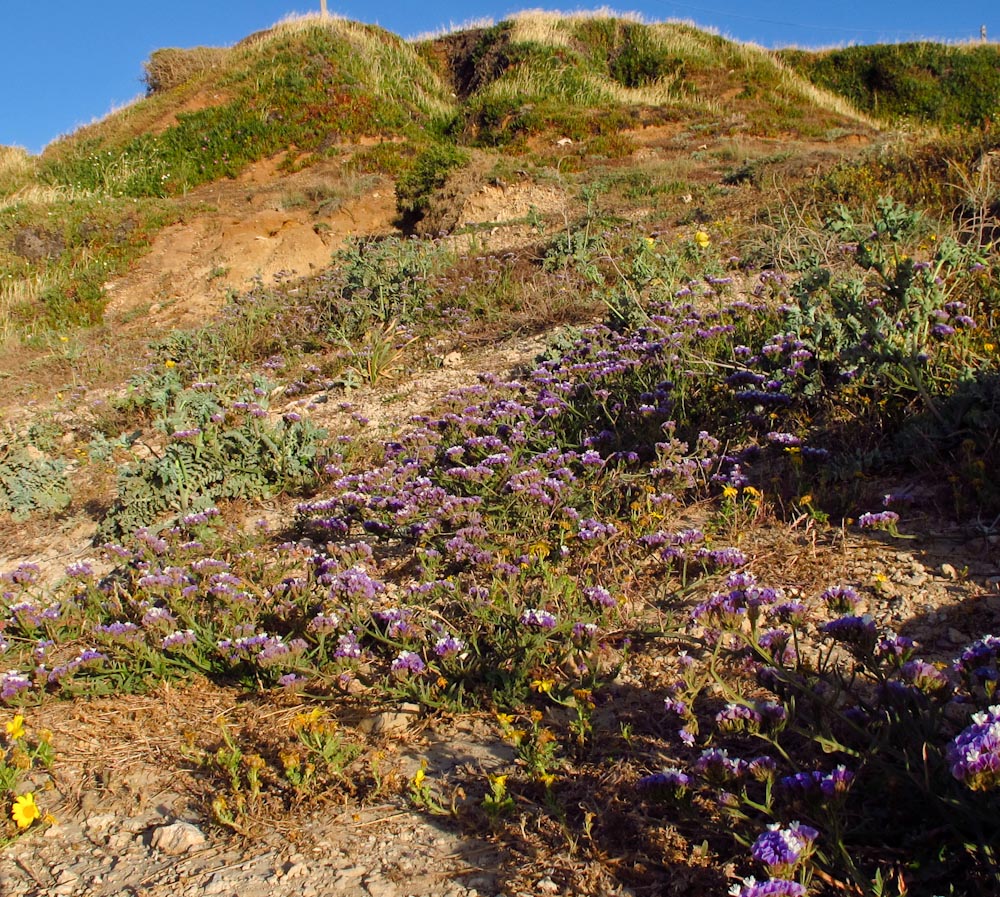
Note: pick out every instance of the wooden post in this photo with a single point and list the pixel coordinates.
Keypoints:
(322, 8)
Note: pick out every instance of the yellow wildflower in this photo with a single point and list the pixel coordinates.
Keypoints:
(546, 778)
(702, 239)
(989, 347)
(25, 811)
(543, 686)
(418, 778)
(729, 491)
(540, 550)
(15, 728)
(169, 363)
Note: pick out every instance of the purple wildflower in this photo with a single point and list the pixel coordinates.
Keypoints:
(600, 596)
(880, 520)
(782, 849)
(13, 683)
(538, 618)
(841, 599)
(448, 646)
(774, 887)
(974, 754)
(179, 639)
(670, 782)
(408, 662)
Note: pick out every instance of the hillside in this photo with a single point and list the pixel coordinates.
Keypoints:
(556, 457)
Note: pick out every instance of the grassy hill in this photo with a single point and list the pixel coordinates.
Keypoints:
(936, 84)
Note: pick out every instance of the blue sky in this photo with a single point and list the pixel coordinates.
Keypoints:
(67, 62)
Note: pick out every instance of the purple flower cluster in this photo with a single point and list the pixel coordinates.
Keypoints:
(783, 849)
(879, 520)
(408, 662)
(974, 754)
(538, 618)
(669, 783)
(816, 783)
(774, 887)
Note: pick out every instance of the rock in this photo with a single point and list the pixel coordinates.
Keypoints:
(390, 721)
(297, 870)
(949, 571)
(177, 838)
(99, 822)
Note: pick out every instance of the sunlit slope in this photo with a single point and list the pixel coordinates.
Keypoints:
(303, 85)
(938, 84)
(585, 74)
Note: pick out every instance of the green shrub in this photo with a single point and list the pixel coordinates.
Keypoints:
(427, 173)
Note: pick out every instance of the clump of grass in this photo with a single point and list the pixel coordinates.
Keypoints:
(17, 168)
(170, 67)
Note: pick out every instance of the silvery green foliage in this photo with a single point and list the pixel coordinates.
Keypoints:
(29, 483)
(211, 453)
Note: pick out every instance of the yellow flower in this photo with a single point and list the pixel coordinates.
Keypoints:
(15, 728)
(505, 719)
(540, 550)
(989, 347)
(25, 811)
(806, 500)
(729, 491)
(543, 686)
(755, 494)
(169, 363)
(418, 778)
(546, 778)
(702, 239)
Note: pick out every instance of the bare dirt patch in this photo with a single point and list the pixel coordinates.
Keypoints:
(263, 223)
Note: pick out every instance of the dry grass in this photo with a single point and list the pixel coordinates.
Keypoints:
(15, 293)
(41, 195)
(170, 67)
(17, 167)
(553, 28)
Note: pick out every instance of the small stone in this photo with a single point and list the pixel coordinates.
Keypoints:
(386, 723)
(99, 822)
(177, 838)
(452, 360)
(217, 885)
(298, 870)
(949, 571)
(547, 886)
